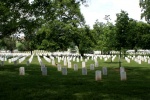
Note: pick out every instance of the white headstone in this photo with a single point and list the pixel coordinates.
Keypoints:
(53, 62)
(84, 71)
(75, 67)
(28, 63)
(44, 70)
(42, 65)
(104, 70)
(96, 64)
(98, 75)
(77, 59)
(64, 71)
(21, 71)
(92, 67)
(148, 61)
(123, 76)
(59, 67)
(15, 62)
(69, 64)
(122, 69)
(83, 64)
(65, 62)
(81, 59)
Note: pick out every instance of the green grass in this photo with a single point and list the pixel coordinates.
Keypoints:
(74, 86)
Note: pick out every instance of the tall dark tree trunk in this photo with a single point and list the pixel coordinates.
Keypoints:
(81, 52)
(31, 51)
(111, 55)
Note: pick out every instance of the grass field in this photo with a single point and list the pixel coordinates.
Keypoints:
(74, 86)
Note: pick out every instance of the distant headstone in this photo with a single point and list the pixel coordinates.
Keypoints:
(96, 64)
(84, 71)
(28, 63)
(65, 62)
(21, 71)
(58, 60)
(86, 60)
(104, 70)
(75, 67)
(123, 76)
(9, 60)
(83, 64)
(69, 64)
(44, 70)
(15, 62)
(58, 67)
(64, 71)
(148, 61)
(53, 62)
(81, 59)
(77, 59)
(98, 75)
(92, 67)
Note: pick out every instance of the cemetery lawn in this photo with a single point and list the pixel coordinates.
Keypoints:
(74, 86)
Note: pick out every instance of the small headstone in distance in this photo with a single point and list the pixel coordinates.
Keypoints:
(96, 64)
(75, 67)
(69, 64)
(15, 62)
(84, 71)
(91, 66)
(28, 63)
(64, 71)
(44, 70)
(58, 67)
(83, 64)
(77, 59)
(123, 76)
(21, 71)
(104, 70)
(98, 75)
(53, 62)
(65, 62)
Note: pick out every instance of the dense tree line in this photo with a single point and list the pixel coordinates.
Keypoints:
(59, 24)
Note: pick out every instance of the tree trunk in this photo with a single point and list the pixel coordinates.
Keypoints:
(111, 55)
(31, 51)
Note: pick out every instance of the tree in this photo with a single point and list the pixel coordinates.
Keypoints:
(99, 29)
(122, 23)
(60, 29)
(86, 41)
(11, 12)
(145, 6)
(8, 43)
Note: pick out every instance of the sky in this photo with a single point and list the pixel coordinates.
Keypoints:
(99, 8)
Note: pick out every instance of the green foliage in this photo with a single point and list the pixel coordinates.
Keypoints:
(21, 47)
(87, 40)
(122, 23)
(8, 43)
(145, 6)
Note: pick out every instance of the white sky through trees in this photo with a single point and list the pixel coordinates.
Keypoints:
(99, 8)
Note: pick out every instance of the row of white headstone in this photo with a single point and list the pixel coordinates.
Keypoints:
(139, 59)
(98, 73)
